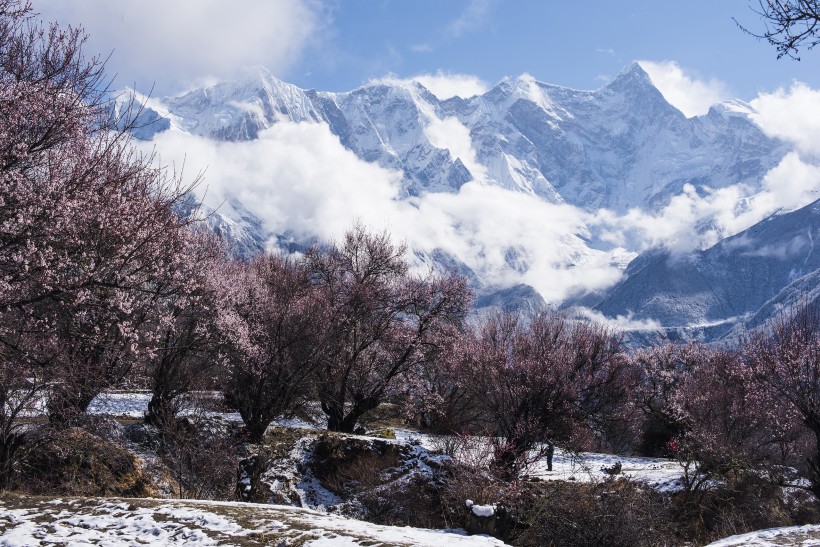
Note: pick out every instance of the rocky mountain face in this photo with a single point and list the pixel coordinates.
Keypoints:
(622, 147)
(618, 147)
(733, 286)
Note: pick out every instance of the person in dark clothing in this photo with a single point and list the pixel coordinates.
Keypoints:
(550, 452)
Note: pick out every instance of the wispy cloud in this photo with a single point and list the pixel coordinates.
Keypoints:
(445, 84)
(687, 93)
(474, 17)
(619, 323)
(421, 48)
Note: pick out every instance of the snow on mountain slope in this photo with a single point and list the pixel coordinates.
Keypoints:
(529, 183)
(618, 147)
(742, 280)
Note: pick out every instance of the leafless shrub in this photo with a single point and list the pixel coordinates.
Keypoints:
(202, 459)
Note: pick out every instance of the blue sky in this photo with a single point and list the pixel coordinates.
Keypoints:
(576, 44)
(336, 45)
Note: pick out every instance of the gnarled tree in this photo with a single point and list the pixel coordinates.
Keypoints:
(270, 321)
(381, 322)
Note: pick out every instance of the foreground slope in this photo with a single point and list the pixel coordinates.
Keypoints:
(125, 522)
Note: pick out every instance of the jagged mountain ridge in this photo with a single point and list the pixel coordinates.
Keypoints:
(619, 147)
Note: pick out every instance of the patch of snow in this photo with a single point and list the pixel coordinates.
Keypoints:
(117, 523)
(663, 475)
(483, 510)
(802, 536)
(123, 405)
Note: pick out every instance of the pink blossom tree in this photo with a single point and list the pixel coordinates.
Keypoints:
(181, 332)
(382, 321)
(270, 320)
(785, 362)
(89, 234)
(731, 427)
(545, 381)
(662, 370)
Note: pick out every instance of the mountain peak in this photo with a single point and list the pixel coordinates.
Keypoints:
(631, 76)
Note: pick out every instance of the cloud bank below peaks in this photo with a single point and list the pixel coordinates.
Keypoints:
(697, 219)
(299, 179)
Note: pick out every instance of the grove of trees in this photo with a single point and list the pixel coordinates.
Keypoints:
(107, 277)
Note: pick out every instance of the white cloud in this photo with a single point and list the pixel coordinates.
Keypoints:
(489, 228)
(177, 43)
(792, 115)
(689, 95)
(472, 18)
(295, 178)
(620, 322)
(445, 85)
(299, 179)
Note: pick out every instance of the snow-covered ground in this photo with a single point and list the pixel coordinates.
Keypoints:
(121, 405)
(119, 522)
(792, 536)
(661, 474)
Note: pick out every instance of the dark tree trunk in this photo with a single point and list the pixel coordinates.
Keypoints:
(340, 422)
(8, 450)
(814, 462)
(162, 409)
(66, 409)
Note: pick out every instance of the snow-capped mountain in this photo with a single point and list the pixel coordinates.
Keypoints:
(619, 149)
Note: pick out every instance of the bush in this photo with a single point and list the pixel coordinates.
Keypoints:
(741, 504)
(613, 512)
(202, 459)
(73, 462)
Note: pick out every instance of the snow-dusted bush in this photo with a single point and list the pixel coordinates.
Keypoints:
(201, 456)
